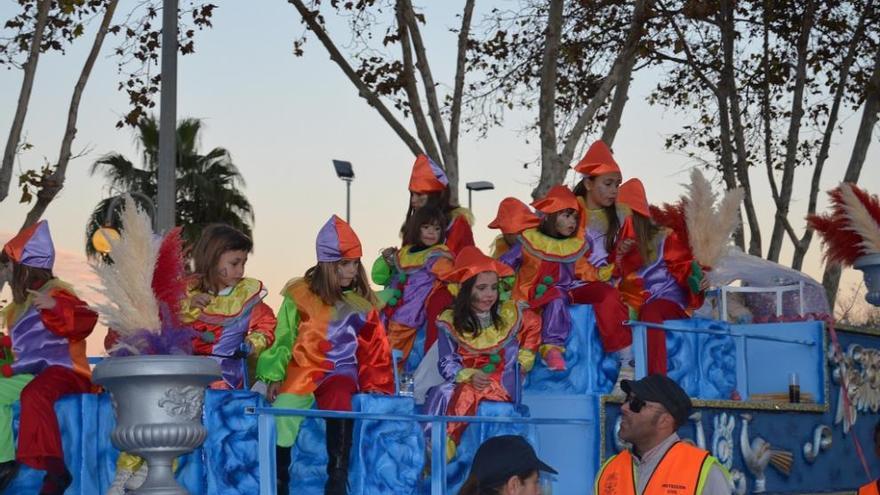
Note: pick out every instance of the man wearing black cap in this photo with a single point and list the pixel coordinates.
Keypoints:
(506, 465)
(660, 463)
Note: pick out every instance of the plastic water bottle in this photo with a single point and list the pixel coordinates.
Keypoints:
(406, 385)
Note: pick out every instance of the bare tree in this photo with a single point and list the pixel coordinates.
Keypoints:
(381, 77)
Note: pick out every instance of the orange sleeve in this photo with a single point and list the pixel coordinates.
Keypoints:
(263, 321)
(374, 357)
(530, 331)
(71, 317)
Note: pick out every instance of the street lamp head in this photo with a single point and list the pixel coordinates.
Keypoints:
(101, 239)
(480, 185)
(343, 170)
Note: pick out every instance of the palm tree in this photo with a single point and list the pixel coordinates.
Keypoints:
(209, 187)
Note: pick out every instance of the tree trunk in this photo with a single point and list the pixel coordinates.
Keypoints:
(552, 168)
(621, 95)
(793, 138)
(831, 277)
(460, 69)
(53, 184)
(24, 97)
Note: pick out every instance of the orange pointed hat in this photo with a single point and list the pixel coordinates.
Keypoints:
(513, 217)
(337, 241)
(558, 198)
(598, 160)
(32, 247)
(471, 262)
(632, 194)
(427, 176)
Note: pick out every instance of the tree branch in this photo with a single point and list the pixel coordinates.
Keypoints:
(458, 89)
(551, 163)
(309, 17)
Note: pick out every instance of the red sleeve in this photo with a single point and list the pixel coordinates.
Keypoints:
(679, 261)
(71, 317)
(263, 321)
(459, 235)
(439, 300)
(632, 260)
(374, 357)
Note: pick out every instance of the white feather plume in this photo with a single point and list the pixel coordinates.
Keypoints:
(127, 282)
(860, 220)
(710, 229)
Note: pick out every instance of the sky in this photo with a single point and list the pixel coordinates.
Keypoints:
(284, 119)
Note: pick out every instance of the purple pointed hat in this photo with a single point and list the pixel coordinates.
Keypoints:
(337, 241)
(32, 247)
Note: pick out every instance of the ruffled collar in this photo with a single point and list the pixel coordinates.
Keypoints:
(407, 259)
(490, 338)
(552, 249)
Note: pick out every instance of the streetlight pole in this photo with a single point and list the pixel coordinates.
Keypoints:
(166, 196)
(345, 172)
(480, 185)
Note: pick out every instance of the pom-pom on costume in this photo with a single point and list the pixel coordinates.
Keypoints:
(664, 286)
(596, 268)
(499, 351)
(546, 270)
(234, 316)
(48, 360)
(409, 282)
(427, 177)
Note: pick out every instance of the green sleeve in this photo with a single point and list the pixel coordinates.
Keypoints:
(381, 272)
(272, 365)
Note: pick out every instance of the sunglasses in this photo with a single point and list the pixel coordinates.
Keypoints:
(635, 404)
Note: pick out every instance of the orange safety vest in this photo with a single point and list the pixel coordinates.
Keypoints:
(681, 471)
(872, 488)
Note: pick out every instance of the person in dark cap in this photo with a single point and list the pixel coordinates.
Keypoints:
(505, 465)
(655, 408)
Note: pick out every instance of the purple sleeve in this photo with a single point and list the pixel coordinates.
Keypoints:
(449, 360)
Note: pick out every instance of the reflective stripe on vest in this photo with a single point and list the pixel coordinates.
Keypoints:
(870, 489)
(683, 470)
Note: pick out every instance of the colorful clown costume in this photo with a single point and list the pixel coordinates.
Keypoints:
(426, 178)
(234, 316)
(411, 280)
(48, 353)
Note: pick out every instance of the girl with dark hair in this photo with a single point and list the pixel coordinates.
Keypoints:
(482, 343)
(223, 306)
(428, 186)
(409, 277)
(546, 269)
(46, 326)
(660, 279)
(597, 194)
(329, 345)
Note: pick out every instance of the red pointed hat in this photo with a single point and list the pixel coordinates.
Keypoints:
(632, 194)
(558, 198)
(513, 217)
(598, 160)
(32, 247)
(427, 176)
(471, 262)
(337, 241)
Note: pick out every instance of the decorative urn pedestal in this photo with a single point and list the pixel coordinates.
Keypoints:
(158, 401)
(870, 266)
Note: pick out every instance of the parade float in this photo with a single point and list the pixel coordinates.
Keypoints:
(786, 401)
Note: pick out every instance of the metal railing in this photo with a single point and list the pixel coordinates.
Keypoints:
(266, 430)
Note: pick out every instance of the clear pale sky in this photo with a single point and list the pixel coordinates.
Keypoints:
(284, 118)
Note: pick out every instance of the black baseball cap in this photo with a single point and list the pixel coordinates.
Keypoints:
(504, 456)
(662, 389)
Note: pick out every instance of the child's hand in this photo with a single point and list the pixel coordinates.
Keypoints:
(42, 301)
(623, 247)
(480, 380)
(200, 300)
(272, 391)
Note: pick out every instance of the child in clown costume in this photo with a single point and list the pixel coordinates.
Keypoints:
(46, 325)
(483, 343)
(409, 276)
(547, 269)
(512, 219)
(329, 345)
(660, 279)
(597, 195)
(428, 186)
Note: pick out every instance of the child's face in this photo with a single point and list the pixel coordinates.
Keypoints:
(346, 272)
(602, 190)
(417, 200)
(485, 292)
(230, 267)
(566, 222)
(429, 234)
